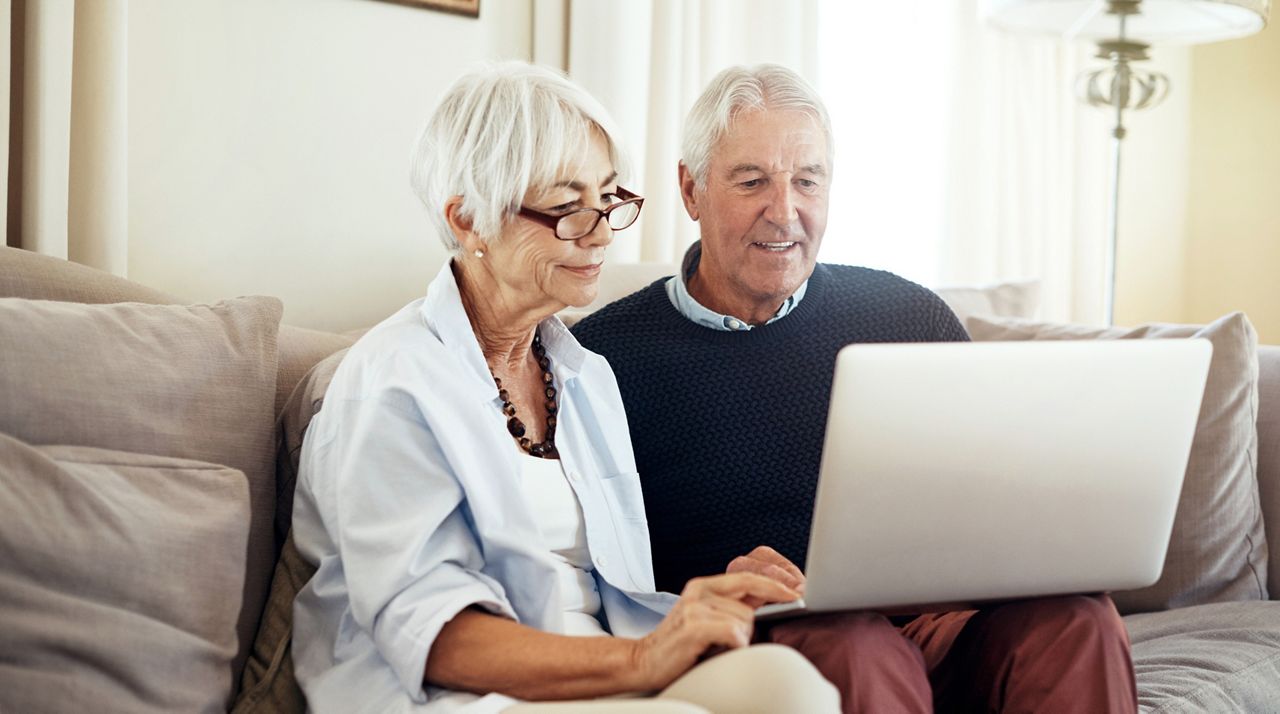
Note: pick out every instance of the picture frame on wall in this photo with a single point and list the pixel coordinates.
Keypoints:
(470, 8)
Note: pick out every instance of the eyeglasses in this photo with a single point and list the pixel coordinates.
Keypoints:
(576, 224)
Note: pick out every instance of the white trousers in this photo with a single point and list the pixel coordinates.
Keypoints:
(761, 679)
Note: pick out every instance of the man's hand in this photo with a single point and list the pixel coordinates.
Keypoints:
(770, 563)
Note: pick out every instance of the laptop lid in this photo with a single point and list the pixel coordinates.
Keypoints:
(969, 472)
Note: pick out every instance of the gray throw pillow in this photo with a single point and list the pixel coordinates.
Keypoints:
(186, 381)
(120, 580)
(1218, 550)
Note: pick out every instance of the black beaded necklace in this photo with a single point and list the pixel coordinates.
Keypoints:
(547, 448)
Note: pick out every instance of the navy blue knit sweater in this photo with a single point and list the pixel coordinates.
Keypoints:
(728, 426)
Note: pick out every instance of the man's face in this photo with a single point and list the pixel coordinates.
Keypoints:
(762, 213)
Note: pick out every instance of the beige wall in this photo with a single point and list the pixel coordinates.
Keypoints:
(1233, 246)
(1154, 184)
(269, 142)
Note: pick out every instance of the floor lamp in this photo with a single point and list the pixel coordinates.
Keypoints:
(1124, 31)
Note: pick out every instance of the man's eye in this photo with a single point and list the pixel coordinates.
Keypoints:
(751, 183)
(808, 183)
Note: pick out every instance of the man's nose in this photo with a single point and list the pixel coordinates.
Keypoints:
(781, 210)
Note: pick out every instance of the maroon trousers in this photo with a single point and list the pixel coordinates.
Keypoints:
(1060, 654)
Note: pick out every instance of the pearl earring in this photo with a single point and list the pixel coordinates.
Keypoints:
(479, 253)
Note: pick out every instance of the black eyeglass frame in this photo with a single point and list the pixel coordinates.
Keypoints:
(553, 221)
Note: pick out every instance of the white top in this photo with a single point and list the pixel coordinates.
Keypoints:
(559, 518)
(409, 504)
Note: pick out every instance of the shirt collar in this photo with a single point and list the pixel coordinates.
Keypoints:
(683, 300)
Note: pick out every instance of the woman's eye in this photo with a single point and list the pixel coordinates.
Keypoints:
(562, 208)
(609, 199)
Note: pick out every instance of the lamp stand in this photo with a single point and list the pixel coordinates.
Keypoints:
(1119, 87)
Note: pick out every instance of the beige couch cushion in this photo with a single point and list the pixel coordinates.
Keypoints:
(194, 382)
(300, 350)
(1223, 657)
(1012, 299)
(33, 276)
(1218, 551)
(269, 684)
(120, 580)
(39, 277)
(1269, 455)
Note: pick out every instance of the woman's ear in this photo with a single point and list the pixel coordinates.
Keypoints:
(461, 226)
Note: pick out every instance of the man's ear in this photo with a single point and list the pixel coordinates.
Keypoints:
(461, 226)
(688, 188)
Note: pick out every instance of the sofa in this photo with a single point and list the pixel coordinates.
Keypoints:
(149, 447)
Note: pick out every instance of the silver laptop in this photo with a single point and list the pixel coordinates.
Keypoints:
(963, 473)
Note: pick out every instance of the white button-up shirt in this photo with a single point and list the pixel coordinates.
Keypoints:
(408, 504)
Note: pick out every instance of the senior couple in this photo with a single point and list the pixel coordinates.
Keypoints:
(507, 516)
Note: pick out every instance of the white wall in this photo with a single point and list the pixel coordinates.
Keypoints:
(269, 143)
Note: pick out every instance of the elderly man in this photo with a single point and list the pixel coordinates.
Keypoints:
(725, 371)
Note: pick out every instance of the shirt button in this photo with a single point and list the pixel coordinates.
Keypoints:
(601, 561)
(734, 324)
(574, 477)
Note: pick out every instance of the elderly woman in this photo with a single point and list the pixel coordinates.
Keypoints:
(468, 493)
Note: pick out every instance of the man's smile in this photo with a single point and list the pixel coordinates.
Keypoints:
(775, 247)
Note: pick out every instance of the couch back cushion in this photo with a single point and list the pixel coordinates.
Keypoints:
(193, 382)
(120, 580)
(40, 277)
(268, 684)
(1269, 454)
(1218, 549)
(1010, 299)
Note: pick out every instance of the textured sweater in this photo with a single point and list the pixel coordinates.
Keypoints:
(728, 427)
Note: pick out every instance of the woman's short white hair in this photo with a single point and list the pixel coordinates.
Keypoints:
(738, 89)
(498, 132)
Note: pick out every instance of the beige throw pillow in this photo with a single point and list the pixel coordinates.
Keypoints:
(120, 580)
(1218, 551)
(193, 382)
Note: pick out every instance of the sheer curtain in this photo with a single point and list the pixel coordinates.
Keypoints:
(882, 72)
(68, 161)
(962, 155)
(647, 61)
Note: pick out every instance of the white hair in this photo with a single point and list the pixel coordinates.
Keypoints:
(499, 132)
(738, 89)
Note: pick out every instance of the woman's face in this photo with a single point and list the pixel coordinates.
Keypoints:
(550, 272)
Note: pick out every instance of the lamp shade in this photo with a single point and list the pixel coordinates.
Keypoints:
(1158, 21)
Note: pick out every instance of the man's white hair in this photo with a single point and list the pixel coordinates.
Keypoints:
(738, 89)
(499, 132)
